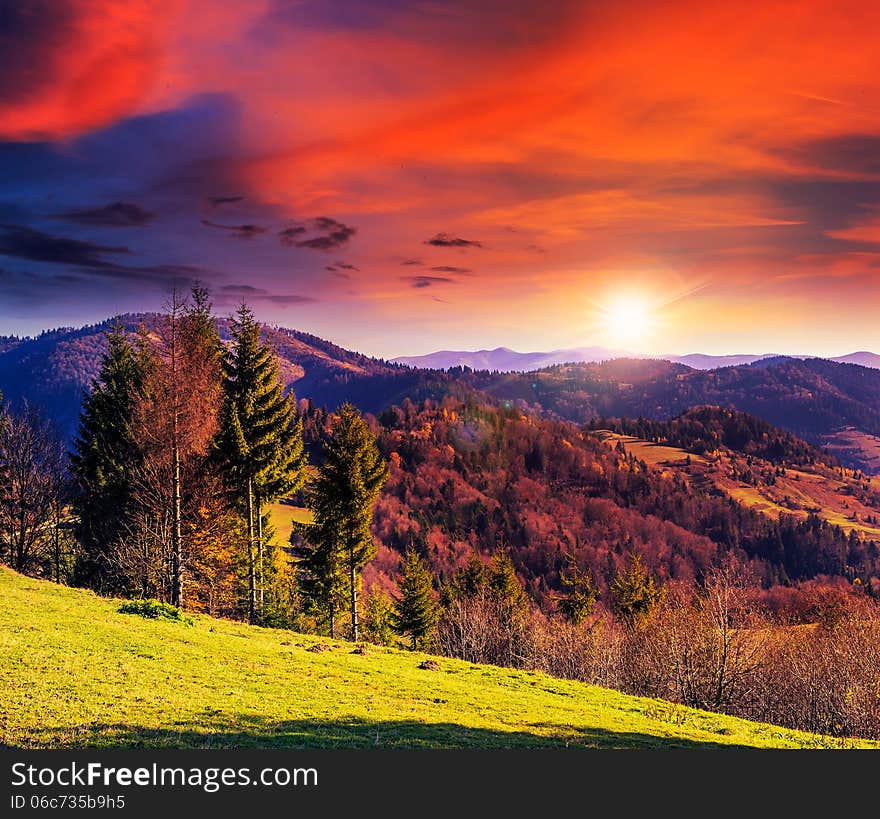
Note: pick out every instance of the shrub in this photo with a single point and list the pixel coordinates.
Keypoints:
(154, 610)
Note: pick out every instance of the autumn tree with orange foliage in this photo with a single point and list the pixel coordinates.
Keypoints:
(175, 420)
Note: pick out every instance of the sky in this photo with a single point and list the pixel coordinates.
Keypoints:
(401, 176)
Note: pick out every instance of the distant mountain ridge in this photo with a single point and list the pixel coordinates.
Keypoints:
(505, 360)
(822, 401)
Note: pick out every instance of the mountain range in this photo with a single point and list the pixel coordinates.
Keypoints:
(503, 359)
(832, 404)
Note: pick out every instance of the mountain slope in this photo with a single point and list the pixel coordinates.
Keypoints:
(754, 464)
(862, 358)
(53, 369)
(822, 401)
(812, 398)
(76, 673)
(467, 477)
(503, 359)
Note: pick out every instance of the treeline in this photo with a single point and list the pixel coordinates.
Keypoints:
(706, 429)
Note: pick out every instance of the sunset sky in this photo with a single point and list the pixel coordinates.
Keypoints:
(406, 176)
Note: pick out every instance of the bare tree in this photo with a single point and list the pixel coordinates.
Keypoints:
(31, 485)
(145, 549)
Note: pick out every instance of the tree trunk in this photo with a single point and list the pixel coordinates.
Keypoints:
(352, 577)
(333, 620)
(176, 550)
(252, 589)
(22, 529)
(57, 541)
(260, 551)
(176, 565)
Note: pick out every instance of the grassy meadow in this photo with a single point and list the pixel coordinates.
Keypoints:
(75, 672)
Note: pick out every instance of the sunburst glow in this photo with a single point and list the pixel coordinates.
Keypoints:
(627, 320)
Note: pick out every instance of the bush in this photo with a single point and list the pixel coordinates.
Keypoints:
(154, 610)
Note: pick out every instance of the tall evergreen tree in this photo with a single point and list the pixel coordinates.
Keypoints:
(349, 480)
(415, 610)
(104, 455)
(260, 439)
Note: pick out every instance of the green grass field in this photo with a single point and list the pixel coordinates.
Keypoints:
(283, 516)
(76, 672)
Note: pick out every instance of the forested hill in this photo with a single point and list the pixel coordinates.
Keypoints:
(469, 476)
(824, 402)
(53, 369)
(703, 429)
(815, 399)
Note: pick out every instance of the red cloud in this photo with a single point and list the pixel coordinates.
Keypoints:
(82, 64)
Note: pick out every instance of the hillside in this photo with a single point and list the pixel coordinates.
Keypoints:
(813, 398)
(795, 482)
(467, 476)
(77, 673)
(53, 369)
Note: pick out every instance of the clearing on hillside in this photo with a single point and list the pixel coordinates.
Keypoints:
(836, 496)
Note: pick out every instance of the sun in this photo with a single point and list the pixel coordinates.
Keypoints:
(626, 320)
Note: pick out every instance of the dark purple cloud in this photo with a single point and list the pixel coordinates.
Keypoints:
(238, 231)
(448, 240)
(116, 214)
(421, 282)
(217, 201)
(24, 242)
(31, 32)
(290, 236)
(446, 268)
(332, 234)
(247, 292)
(850, 153)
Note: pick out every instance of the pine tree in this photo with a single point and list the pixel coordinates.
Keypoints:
(415, 610)
(634, 592)
(503, 581)
(318, 570)
(580, 600)
(378, 619)
(349, 480)
(260, 440)
(104, 455)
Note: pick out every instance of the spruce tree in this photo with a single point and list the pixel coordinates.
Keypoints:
(579, 602)
(415, 610)
(104, 455)
(634, 592)
(378, 618)
(349, 480)
(503, 581)
(260, 439)
(319, 572)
